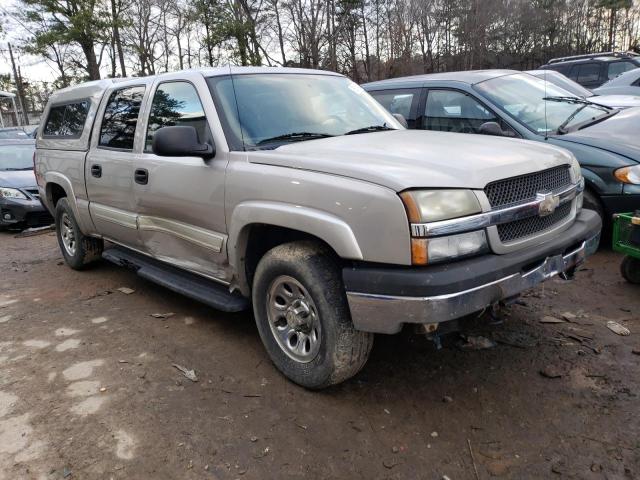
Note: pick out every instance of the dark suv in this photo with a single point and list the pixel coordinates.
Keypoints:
(594, 69)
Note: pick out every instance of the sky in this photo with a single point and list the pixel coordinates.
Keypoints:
(33, 68)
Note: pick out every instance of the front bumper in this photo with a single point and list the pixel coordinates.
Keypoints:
(383, 299)
(21, 212)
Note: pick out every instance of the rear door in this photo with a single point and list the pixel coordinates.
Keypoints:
(109, 165)
(180, 200)
(404, 101)
(588, 74)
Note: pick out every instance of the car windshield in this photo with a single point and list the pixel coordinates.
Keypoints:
(269, 110)
(523, 97)
(16, 157)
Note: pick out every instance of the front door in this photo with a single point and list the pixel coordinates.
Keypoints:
(109, 167)
(180, 200)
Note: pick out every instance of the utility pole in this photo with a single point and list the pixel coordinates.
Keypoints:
(25, 117)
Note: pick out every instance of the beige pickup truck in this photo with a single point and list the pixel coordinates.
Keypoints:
(294, 192)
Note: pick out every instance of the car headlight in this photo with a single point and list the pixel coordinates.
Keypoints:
(577, 170)
(434, 205)
(629, 174)
(12, 193)
(424, 206)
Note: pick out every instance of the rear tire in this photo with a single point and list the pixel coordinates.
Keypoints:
(303, 317)
(77, 249)
(630, 269)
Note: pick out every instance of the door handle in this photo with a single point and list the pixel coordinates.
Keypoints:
(96, 171)
(141, 176)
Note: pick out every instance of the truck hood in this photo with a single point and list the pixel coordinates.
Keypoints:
(402, 159)
(617, 134)
(17, 179)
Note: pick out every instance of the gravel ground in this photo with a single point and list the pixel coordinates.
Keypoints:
(88, 388)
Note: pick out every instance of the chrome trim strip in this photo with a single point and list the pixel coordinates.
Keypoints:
(198, 236)
(113, 215)
(387, 313)
(493, 217)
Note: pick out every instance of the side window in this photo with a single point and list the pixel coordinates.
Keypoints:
(588, 73)
(453, 111)
(66, 120)
(176, 103)
(402, 101)
(120, 118)
(616, 68)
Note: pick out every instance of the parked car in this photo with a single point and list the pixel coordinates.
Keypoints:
(592, 70)
(627, 83)
(512, 104)
(615, 101)
(20, 204)
(12, 133)
(296, 192)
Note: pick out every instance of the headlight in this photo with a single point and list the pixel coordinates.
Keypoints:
(577, 170)
(434, 205)
(629, 174)
(12, 193)
(424, 206)
(432, 250)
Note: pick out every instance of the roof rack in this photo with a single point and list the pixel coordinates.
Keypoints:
(594, 55)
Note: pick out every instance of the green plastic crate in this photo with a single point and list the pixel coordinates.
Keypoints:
(622, 235)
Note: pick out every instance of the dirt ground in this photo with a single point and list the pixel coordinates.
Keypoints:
(88, 388)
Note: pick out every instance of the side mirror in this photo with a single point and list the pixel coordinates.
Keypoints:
(491, 128)
(180, 142)
(401, 119)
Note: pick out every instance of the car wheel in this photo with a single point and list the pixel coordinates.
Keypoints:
(77, 249)
(303, 317)
(630, 270)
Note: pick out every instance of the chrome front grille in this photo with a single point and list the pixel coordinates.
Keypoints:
(525, 187)
(532, 225)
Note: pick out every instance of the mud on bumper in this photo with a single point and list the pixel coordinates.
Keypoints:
(383, 299)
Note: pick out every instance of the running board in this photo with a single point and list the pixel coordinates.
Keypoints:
(180, 281)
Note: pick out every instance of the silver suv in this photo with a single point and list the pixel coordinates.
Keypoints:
(295, 192)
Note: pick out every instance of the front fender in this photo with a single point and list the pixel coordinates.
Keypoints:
(327, 227)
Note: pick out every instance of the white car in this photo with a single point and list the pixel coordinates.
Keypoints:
(627, 83)
(601, 95)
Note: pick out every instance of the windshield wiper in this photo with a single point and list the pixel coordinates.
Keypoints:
(17, 169)
(562, 128)
(295, 136)
(372, 128)
(576, 100)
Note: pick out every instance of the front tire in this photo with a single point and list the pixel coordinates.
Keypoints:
(303, 318)
(77, 249)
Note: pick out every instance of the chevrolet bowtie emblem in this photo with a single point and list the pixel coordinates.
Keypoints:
(548, 203)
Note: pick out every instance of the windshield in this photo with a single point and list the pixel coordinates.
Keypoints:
(268, 110)
(561, 81)
(16, 157)
(521, 96)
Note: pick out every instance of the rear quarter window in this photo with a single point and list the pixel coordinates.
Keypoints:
(66, 120)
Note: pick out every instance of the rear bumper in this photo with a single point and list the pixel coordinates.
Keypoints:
(23, 212)
(382, 299)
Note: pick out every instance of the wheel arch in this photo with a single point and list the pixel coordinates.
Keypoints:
(256, 227)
